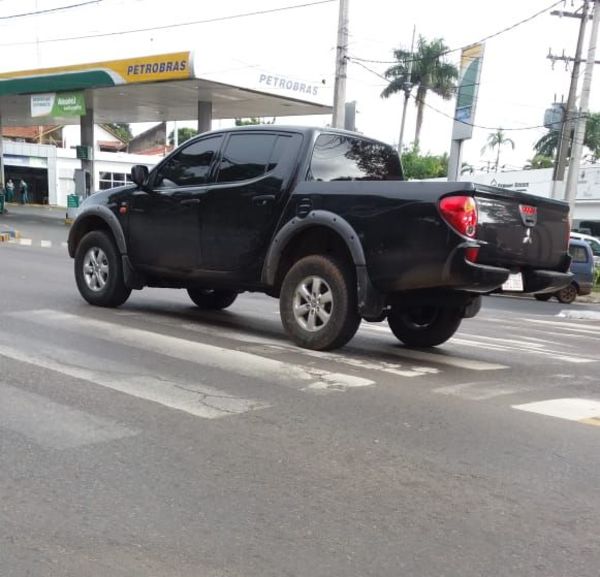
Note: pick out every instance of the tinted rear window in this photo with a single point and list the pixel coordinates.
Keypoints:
(340, 157)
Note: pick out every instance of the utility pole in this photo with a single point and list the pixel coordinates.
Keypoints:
(577, 148)
(558, 176)
(341, 65)
(407, 87)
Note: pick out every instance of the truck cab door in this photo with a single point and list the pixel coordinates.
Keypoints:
(164, 220)
(241, 210)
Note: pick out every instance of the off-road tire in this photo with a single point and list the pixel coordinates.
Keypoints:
(212, 300)
(102, 286)
(338, 306)
(424, 326)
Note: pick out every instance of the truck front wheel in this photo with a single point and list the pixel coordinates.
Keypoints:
(98, 270)
(317, 303)
(424, 326)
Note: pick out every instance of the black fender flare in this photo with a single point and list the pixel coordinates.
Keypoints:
(105, 214)
(370, 301)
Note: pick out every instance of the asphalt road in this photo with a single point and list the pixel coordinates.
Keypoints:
(157, 440)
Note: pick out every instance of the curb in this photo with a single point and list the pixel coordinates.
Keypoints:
(9, 234)
(589, 299)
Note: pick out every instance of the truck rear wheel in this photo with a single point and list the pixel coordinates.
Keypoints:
(212, 300)
(543, 297)
(98, 270)
(424, 326)
(317, 303)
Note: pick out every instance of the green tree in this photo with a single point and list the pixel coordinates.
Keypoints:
(252, 121)
(547, 145)
(427, 69)
(496, 140)
(184, 133)
(539, 161)
(122, 130)
(417, 166)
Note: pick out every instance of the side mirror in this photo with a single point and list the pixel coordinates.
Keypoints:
(139, 175)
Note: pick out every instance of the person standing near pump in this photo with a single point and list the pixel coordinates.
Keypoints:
(24, 189)
(10, 190)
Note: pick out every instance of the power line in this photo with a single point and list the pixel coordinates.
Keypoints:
(450, 50)
(167, 26)
(48, 10)
(451, 117)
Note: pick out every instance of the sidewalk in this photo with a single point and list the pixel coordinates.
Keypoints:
(18, 217)
(42, 210)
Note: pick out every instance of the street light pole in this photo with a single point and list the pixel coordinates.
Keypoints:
(341, 65)
(580, 124)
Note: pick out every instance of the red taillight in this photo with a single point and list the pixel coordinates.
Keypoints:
(460, 212)
(471, 253)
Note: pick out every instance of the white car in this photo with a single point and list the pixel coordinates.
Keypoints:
(592, 241)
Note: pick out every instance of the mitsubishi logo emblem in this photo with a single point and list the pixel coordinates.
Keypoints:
(528, 239)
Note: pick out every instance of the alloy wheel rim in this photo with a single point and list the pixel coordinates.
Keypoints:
(313, 304)
(95, 269)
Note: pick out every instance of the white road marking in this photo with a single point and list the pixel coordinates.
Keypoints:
(535, 348)
(250, 365)
(581, 410)
(25, 241)
(449, 360)
(583, 315)
(562, 325)
(284, 346)
(475, 391)
(46, 243)
(52, 424)
(193, 398)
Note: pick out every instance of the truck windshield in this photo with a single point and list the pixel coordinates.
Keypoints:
(340, 157)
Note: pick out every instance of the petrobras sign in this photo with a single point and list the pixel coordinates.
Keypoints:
(58, 105)
(288, 84)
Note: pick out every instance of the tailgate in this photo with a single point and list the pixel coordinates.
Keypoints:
(521, 230)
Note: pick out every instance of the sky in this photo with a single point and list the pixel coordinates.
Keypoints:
(518, 82)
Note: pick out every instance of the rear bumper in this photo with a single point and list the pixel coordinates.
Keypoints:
(464, 275)
(545, 281)
(461, 274)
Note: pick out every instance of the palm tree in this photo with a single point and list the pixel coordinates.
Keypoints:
(547, 144)
(497, 140)
(427, 70)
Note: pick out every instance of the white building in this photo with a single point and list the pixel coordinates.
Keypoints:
(50, 171)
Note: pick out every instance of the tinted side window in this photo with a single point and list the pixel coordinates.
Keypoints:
(190, 166)
(578, 253)
(338, 157)
(246, 156)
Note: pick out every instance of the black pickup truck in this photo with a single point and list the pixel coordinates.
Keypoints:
(323, 220)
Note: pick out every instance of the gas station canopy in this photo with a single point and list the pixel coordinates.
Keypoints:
(158, 88)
